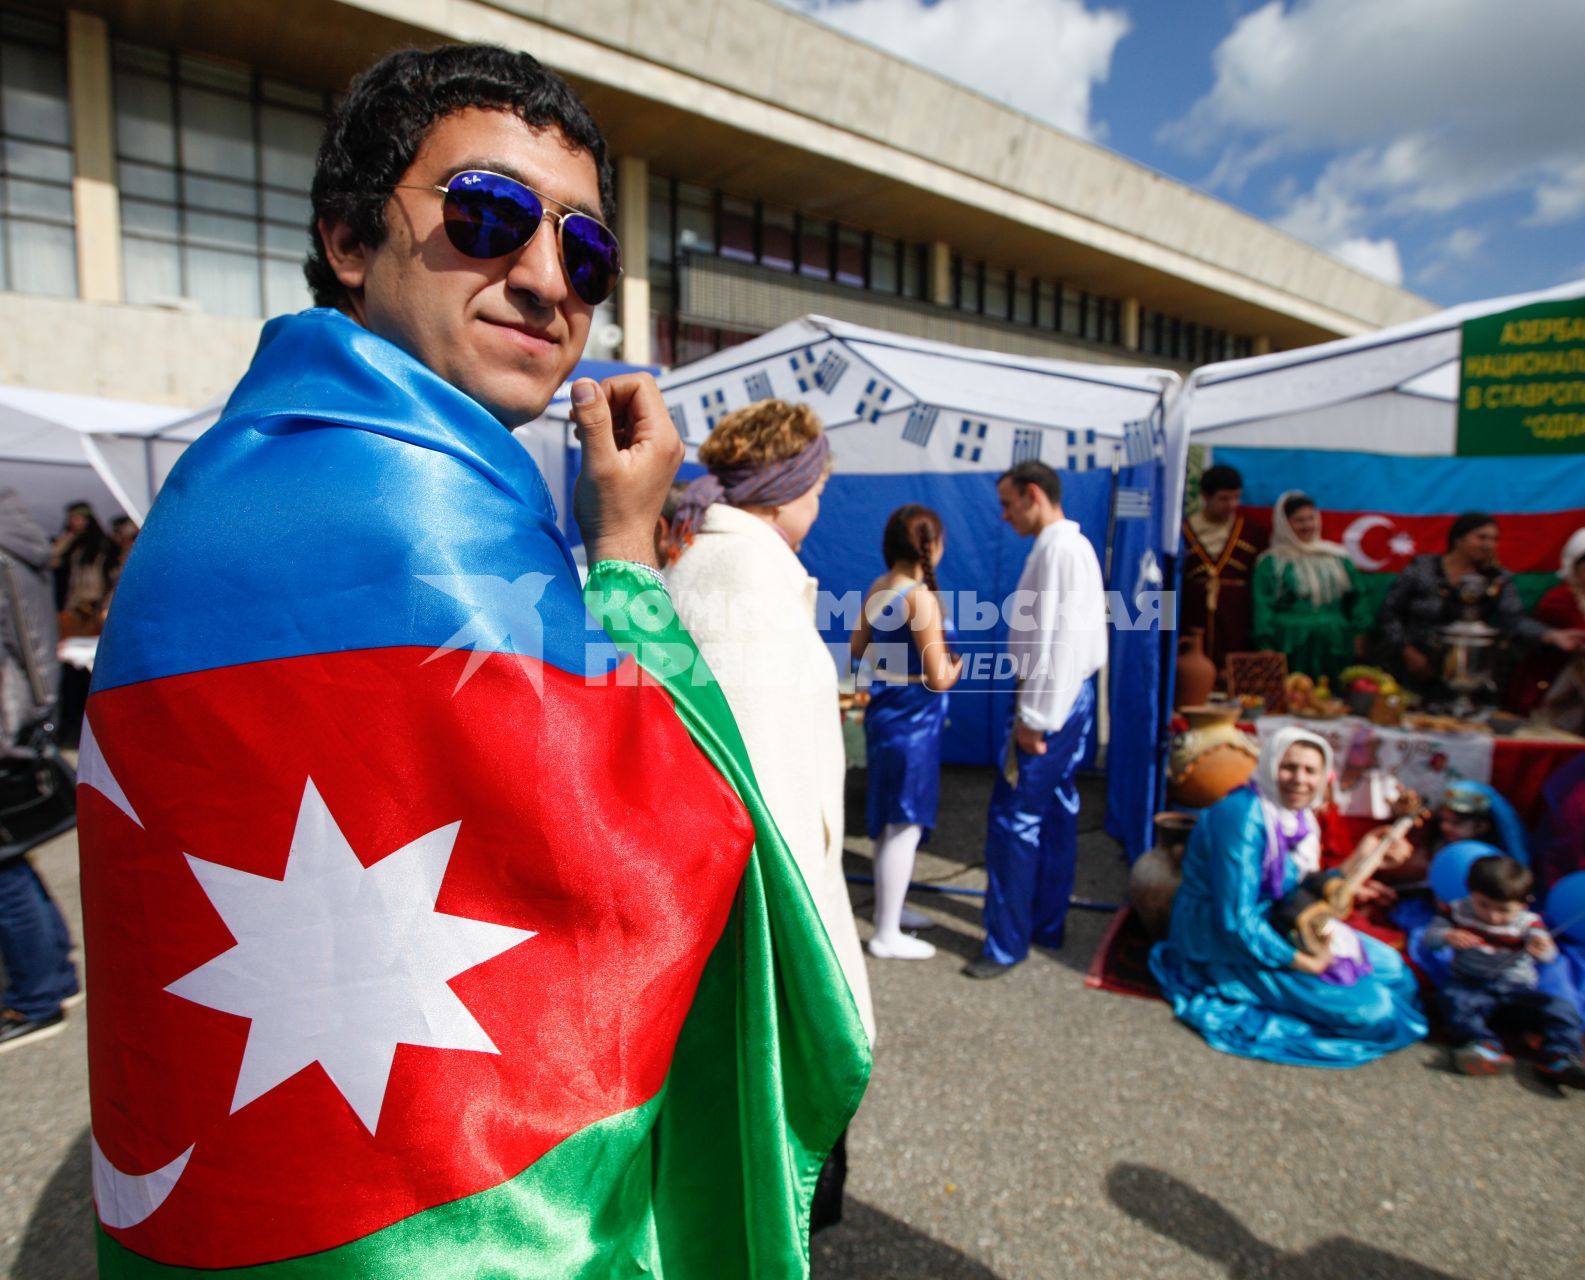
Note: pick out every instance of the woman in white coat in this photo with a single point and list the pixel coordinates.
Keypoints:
(742, 592)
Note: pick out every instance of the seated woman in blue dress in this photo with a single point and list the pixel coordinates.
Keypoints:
(904, 635)
(1230, 975)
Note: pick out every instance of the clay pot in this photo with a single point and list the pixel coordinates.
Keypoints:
(1154, 878)
(1196, 672)
(1211, 758)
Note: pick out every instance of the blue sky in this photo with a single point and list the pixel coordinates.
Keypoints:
(1437, 144)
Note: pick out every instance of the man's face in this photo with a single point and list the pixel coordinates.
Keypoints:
(1221, 506)
(505, 331)
(1019, 507)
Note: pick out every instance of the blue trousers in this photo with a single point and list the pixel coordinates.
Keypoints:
(1470, 1010)
(1031, 842)
(34, 944)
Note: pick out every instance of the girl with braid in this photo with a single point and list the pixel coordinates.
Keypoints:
(905, 636)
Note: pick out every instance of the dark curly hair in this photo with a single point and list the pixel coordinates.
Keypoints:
(376, 131)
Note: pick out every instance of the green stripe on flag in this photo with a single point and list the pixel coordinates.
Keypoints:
(581, 1211)
(1531, 587)
(773, 1059)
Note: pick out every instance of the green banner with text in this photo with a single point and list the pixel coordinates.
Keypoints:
(1522, 381)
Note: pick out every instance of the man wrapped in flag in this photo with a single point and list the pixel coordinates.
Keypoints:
(434, 922)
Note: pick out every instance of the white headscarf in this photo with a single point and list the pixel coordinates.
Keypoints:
(1317, 565)
(1573, 549)
(1275, 747)
(1293, 827)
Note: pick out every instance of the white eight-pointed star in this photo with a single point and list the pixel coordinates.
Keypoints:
(338, 963)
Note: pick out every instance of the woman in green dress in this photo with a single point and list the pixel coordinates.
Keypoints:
(1307, 598)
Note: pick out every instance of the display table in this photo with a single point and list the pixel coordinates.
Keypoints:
(1374, 760)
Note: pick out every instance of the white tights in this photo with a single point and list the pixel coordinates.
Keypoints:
(894, 868)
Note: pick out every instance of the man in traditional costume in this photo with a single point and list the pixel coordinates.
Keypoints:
(1220, 549)
(435, 923)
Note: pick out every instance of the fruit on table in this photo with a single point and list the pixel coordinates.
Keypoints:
(1298, 691)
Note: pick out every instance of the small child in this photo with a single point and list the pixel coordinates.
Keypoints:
(1497, 942)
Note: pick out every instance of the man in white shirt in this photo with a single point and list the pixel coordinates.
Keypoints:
(1057, 634)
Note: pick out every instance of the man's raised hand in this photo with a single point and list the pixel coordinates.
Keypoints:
(631, 452)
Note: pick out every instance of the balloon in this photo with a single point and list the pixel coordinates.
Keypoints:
(1565, 907)
(1450, 867)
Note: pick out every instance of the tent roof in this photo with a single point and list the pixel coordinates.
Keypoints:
(48, 426)
(1026, 390)
(56, 447)
(1419, 358)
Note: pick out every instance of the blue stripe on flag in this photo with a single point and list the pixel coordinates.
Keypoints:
(1411, 486)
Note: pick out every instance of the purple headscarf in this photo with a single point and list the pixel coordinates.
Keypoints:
(761, 484)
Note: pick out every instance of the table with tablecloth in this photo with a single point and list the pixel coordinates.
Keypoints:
(1373, 760)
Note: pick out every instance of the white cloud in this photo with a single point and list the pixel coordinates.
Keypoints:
(1460, 246)
(1560, 197)
(1429, 106)
(1377, 258)
(1042, 57)
(1331, 217)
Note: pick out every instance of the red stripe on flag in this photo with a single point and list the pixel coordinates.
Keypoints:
(1384, 542)
(587, 815)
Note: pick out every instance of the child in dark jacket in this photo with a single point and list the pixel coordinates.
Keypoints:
(1497, 941)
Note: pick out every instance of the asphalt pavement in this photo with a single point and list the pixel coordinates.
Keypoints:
(1028, 1127)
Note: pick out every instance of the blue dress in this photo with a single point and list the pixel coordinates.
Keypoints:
(1228, 974)
(902, 736)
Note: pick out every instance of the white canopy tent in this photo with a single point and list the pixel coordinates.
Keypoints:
(1392, 391)
(917, 421)
(57, 448)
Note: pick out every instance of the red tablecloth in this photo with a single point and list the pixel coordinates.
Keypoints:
(1520, 768)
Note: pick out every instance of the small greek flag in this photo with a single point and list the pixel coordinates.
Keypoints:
(1133, 504)
(714, 404)
(873, 402)
(1026, 445)
(1081, 450)
(971, 441)
(921, 422)
(821, 376)
(1139, 442)
(830, 371)
(757, 384)
(679, 419)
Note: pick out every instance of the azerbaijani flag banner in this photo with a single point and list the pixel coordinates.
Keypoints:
(434, 922)
(1387, 509)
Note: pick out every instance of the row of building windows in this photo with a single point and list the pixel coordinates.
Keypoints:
(684, 219)
(1174, 339)
(688, 219)
(38, 248)
(214, 163)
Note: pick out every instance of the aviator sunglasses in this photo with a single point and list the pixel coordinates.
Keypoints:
(489, 215)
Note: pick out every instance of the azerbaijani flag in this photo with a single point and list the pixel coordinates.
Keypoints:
(434, 922)
(1388, 508)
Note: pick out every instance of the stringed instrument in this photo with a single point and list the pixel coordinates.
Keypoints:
(1305, 915)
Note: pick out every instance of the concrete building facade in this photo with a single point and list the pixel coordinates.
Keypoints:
(155, 158)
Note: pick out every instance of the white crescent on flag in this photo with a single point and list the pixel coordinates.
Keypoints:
(126, 1199)
(1354, 535)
